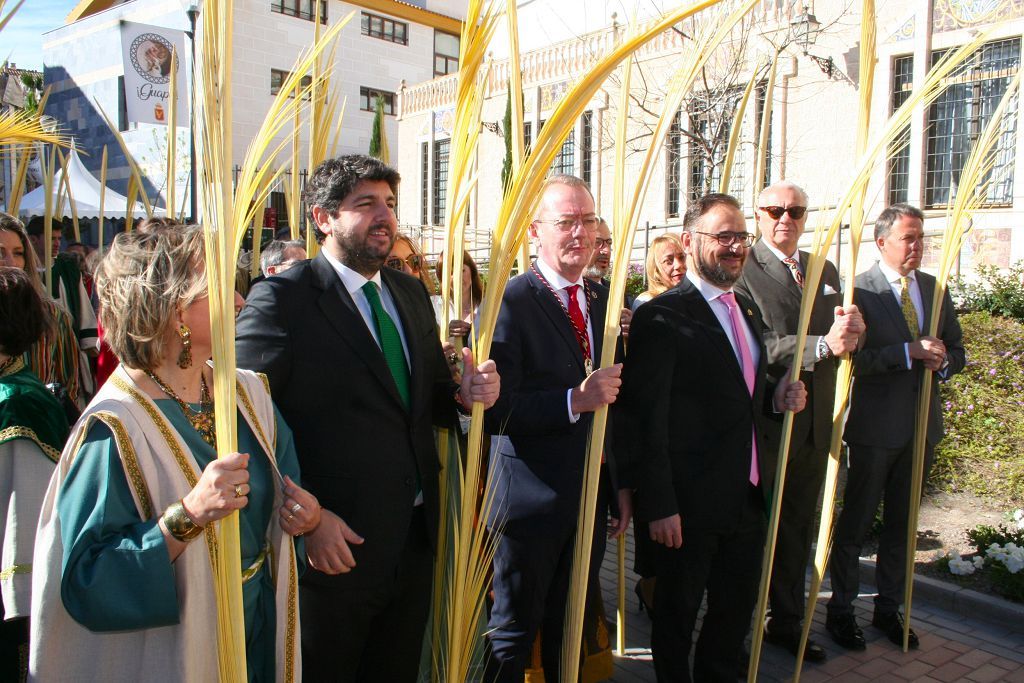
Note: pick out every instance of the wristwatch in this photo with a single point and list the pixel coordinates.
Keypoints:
(823, 351)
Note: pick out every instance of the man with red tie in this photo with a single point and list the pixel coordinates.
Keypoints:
(697, 401)
(547, 342)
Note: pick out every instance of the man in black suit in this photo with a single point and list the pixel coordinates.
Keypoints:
(896, 301)
(601, 264)
(548, 344)
(696, 399)
(773, 278)
(355, 366)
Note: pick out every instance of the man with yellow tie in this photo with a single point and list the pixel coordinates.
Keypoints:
(895, 299)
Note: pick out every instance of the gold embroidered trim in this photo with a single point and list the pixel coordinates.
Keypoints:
(266, 381)
(129, 459)
(12, 433)
(18, 364)
(179, 456)
(8, 574)
(293, 614)
(243, 396)
(256, 565)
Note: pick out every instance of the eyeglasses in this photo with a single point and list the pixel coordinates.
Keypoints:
(602, 243)
(414, 261)
(589, 223)
(727, 239)
(795, 212)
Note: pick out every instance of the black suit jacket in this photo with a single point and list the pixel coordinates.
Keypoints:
(770, 284)
(883, 406)
(536, 474)
(360, 450)
(688, 414)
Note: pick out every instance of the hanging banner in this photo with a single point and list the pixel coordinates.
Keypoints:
(147, 72)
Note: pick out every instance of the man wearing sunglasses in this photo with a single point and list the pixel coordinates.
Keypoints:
(774, 278)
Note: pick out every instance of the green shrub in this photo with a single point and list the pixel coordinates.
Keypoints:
(983, 536)
(635, 284)
(984, 413)
(997, 293)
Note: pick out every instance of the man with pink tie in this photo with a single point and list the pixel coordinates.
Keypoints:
(697, 406)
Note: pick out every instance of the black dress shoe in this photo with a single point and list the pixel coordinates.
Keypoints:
(844, 630)
(790, 640)
(892, 624)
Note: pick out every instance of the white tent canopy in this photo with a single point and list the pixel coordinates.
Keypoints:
(85, 189)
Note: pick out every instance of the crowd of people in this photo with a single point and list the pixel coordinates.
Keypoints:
(112, 476)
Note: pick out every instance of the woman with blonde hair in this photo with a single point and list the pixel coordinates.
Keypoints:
(124, 584)
(406, 256)
(666, 267)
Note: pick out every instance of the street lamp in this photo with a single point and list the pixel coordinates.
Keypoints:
(193, 15)
(804, 31)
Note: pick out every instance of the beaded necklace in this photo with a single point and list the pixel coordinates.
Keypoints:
(202, 421)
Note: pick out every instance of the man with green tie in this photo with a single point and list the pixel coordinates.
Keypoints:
(354, 361)
(895, 298)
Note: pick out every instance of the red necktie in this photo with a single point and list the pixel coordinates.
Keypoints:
(576, 315)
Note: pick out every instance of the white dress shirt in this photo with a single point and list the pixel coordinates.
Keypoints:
(559, 284)
(353, 283)
(712, 294)
(894, 280)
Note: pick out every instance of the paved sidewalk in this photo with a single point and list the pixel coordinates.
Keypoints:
(953, 647)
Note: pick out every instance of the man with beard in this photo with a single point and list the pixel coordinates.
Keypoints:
(355, 366)
(597, 271)
(697, 368)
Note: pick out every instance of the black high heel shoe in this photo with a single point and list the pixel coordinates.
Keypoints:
(644, 589)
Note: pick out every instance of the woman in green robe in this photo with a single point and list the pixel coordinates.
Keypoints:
(32, 433)
(124, 518)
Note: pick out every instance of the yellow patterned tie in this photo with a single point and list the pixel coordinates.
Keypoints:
(909, 312)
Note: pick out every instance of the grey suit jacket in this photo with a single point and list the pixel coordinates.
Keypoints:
(770, 284)
(883, 407)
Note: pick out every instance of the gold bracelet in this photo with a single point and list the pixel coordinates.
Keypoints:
(179, 524)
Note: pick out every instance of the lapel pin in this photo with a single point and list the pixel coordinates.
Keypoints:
(750, 313)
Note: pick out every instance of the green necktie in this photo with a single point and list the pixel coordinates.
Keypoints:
(390, 342)
(909, 312)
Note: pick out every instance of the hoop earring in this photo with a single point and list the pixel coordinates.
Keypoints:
(185, 358)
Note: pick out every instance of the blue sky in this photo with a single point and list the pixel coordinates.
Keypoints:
(22, 39)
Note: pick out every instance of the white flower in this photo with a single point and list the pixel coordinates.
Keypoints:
(940, 554)
(1014, 563)
(1018, 518)
(978, 561)
(960, 567)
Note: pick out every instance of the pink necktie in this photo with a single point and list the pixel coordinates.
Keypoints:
(747, 364)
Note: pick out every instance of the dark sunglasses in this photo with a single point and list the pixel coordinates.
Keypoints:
(414, 261)
(795, 212)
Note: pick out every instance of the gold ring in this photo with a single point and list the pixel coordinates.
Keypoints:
(290, 517)
(453, 358)
(296, 507)
(238, 490)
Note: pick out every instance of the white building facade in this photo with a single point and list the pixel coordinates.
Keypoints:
(812, 130)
